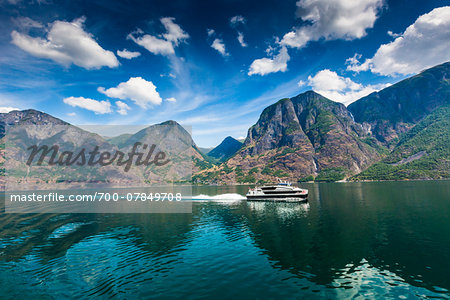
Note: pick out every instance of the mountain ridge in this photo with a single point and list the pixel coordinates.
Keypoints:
(226, 149)
(394, 110)
(302, 135)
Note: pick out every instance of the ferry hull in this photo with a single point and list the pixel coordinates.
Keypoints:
(279, 198)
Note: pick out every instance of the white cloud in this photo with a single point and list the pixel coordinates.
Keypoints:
(123, 108)
(301, 83)
(265, 65)
(219, 45)
(241, 39)
(153, 44)
(99, 107)
(339, 88)
(27, 23)
(171, 99)
(210, 32)
(392, 34)
(354, 65)
(174, 32)
(137, 89)
(72, 114)
(165, 45)
(234, 21)
(128, 54)
(338, 19)
(67, 43)
(7, 109)
(423, 44)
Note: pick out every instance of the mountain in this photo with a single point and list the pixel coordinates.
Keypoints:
(26, 117)
(174, 140)
(31, 127)
(307, 135)
(394, 110)
(38, 128)
(422, 153)
(227, 148)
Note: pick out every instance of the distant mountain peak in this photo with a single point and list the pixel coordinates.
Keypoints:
(225, 149)
(170, 122)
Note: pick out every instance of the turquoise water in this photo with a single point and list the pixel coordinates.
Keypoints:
(367, 240)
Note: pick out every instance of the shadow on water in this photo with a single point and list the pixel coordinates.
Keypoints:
(366, 239)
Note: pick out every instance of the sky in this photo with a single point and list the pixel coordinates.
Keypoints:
(212, 65)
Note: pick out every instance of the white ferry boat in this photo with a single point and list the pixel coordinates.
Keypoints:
(283, 191)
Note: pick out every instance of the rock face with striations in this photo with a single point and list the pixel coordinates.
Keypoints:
(301, 136)
(395, 109)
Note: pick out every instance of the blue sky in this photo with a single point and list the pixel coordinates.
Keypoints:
(214, 65)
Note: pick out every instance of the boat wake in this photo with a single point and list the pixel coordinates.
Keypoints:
(218, 198)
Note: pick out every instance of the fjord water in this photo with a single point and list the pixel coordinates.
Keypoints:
(373, 240)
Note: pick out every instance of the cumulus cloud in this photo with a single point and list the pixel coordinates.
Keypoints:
(265, 65)
(171, 99)
(142, 92)
(128, 54)
(98, 107)
(340, 89)
(219, 45)
(301, 83)
(234, 21)
(338, 19)
(241, 39)
(7, 109)
(423, 44)
(122, 107)
(164, 44)
(67, 43)
(210, 32)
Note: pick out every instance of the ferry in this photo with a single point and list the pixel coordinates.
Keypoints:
(283, 191)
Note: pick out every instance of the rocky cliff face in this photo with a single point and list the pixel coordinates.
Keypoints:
(394, 110)
(301, 136)
(422, 153)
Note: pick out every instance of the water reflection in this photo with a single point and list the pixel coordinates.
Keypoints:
(283, 210)
(368, 240)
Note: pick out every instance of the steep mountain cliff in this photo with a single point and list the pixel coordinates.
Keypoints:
(297, 137)
(422, 153)
(225, 149)
(396, 109)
